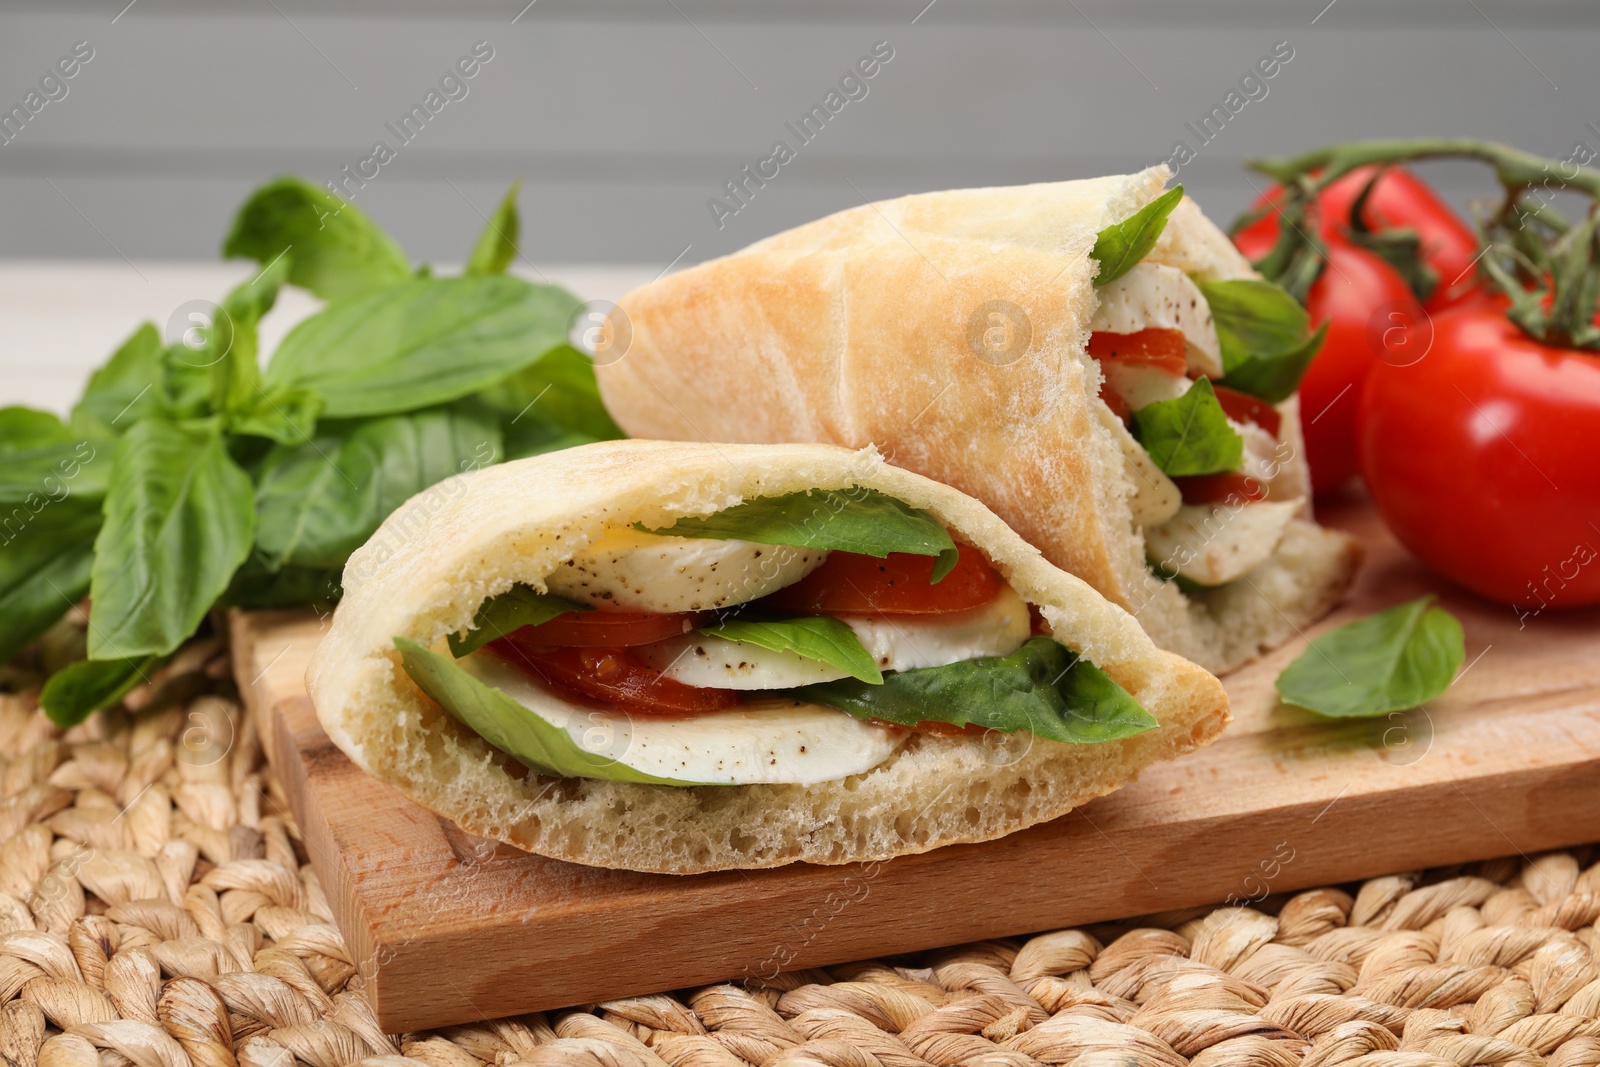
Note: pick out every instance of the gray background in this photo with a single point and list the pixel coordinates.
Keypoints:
(624, 118)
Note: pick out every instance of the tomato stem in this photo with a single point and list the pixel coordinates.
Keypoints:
(1551, 272)
(1516, 169)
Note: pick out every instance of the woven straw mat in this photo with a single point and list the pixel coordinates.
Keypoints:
(157, 910)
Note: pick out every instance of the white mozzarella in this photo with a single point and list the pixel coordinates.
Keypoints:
(1213, 544)
(784, 741)
(895, 642)
(1152, 296)
(905, 642)
(633, 571)
(1155, 497)
(712, 662)
(1261, 459)
(1141, 386)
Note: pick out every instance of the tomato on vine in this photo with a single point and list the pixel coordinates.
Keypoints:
(1474, 433)
(1478, 458)
(1370, 310)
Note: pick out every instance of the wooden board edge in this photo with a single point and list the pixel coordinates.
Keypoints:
(423, 985)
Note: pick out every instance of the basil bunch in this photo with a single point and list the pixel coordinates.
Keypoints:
(187, 477)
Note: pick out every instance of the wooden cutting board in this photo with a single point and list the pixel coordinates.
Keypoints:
(448, 927)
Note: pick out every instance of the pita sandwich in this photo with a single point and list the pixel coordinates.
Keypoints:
(783, 653)
(1091, 359)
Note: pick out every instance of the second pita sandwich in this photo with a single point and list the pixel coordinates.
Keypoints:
(1092, 359)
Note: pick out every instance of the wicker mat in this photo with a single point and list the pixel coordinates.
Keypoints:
(157, 910)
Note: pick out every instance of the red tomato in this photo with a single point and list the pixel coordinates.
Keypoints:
(1370, 312)
(1119, 407)
(1399, 200)
(1162, 349)
(611, 676)
(1230, 487)
(900, 584)
(1242, 407)
(1479, 456)
(609, 629)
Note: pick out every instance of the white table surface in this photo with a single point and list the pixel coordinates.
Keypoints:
(59, 320)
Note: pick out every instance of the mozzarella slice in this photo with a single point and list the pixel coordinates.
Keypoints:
(905, 642)
(784, 741)
(1141, 386)
(895, 642)
(1261, 459)
(634, 571)
(712, 662)
(1155, 296)
(1155, 497)
(1213, 544)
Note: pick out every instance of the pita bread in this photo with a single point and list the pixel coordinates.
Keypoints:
(857, 330)
(425, 572)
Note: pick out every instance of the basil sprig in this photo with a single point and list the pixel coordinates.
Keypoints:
(1043, 688)
(1390, 661)
(1189, 434)
(507, 725)
(1263, 332)
(517, 607)
(817, 637)
(1121, 245)
(187, 477)
(848, 520)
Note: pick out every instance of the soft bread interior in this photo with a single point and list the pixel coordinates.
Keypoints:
(857, 329)
(426, 570)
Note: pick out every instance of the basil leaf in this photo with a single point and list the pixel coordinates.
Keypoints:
(826, 640)
(128, 388)
(318, 502)
(1189, 434)
(178, 522)
(287, 415)
(232, 344)
(421, 343)
(1042, 687)
(517, 607)
(850, 520)
(79, 689)
(334, 249)
(1262, 331)
(1390, 661)
(497, 244)
(554, 403)
(1275, 379)
(1123, 244)
(31, 478)
(26, 428)
(506, 724)
(255, 586)
(186, 381)
(44, 569)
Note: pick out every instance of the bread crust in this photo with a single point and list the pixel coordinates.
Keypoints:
(430, 565)
(857, 329)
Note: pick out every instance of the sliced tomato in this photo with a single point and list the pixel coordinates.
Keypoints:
(1119, 407)
(1242, 407)
(1231, 487)
(1158, 348)
(610, 629)
(900, 584)
(612, 676)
